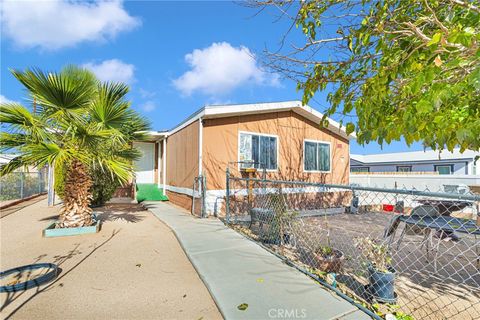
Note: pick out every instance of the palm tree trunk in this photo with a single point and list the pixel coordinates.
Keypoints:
(77, 196)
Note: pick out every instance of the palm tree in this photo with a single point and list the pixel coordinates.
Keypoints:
(79, 122)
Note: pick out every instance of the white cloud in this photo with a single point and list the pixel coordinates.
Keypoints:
(148, 106)
(146, 93)
(4, 99)
(112, 70)
(220, 68)
(215, 101)
(54, 24)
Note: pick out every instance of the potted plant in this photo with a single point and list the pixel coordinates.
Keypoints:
(329, 259)
(326, 257)
(381, 274)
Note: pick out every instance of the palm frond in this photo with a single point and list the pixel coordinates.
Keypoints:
(110, 108)
(11, 166)
(95, 139)
(118, 169)
(128, 154)
(17, 115)
(136, 128)
(10, 141)
(63, 92)
(21, 120)
(42, 154)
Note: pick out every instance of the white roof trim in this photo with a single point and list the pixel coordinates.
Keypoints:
(192, 118)
(155, 135)
(220, 111)
(7, 157)
(415, 156)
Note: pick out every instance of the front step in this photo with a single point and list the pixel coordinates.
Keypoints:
(149, 192)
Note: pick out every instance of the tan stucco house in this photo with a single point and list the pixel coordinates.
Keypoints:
(283, 137)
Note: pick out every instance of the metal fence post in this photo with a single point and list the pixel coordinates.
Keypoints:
(227, 196)
(22, 180)
(204, 209)
(39, 182)
(193, 194)
(51, 189)
(264, 177)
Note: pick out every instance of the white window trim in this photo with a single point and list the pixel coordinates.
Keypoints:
(450, 166)
(258, 134)
(360, 167)
(404, 166)
(329, 151)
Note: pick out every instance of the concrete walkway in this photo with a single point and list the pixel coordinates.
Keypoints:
(237, 271)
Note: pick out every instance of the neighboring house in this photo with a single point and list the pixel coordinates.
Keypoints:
(284, 138)
(428, 161)
(6, 158)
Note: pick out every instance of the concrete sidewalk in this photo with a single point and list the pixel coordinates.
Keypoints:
(236, 271)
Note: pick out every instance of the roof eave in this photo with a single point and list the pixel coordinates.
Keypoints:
(223, 111)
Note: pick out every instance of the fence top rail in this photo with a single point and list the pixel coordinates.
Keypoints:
(412, 192)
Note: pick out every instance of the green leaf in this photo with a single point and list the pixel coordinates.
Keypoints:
(435, 39)
(242, 306)
(350, 128)
(350, 44)
(424, 106)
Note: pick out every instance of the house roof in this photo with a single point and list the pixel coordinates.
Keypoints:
(6, 157)
(153, 136)
(415, 156)
(220, 111)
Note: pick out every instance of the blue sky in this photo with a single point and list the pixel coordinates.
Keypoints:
(176, 56)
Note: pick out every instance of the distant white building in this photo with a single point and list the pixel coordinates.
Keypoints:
(6, 158)
(428, 161)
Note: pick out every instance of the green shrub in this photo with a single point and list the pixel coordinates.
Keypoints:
(103, 188)
(59, 184)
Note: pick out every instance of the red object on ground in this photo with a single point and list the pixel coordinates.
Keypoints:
(388, 207)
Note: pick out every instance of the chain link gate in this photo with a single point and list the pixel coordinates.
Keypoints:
(198, 196)
(405, 252)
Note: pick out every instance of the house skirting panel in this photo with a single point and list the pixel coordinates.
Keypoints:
(180, 199)
(298, 198)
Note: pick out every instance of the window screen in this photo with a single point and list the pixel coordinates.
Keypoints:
(317, 156)
(258, 151)
(447, 169)
(404, 169)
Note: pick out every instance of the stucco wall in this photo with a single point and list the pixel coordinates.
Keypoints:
(220, 147)
(182, 157)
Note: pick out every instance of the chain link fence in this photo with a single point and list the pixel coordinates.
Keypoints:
(410, 253)
(21, 185)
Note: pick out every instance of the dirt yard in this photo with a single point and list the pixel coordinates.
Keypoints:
(443, 284)
(134, 268)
